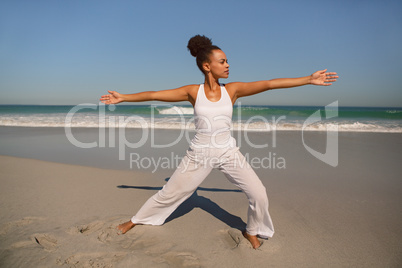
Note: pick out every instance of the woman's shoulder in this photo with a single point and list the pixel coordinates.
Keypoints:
(191, 88)
(192, 92)
(232, 86)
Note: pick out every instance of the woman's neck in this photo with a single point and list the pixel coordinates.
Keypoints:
(211, 83)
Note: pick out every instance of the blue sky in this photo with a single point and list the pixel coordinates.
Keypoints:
(71, 52)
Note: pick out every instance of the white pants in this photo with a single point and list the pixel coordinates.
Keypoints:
(195, 166)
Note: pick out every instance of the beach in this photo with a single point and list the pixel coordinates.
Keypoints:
(60, 204)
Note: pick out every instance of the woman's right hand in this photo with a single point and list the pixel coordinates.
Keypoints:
(112, 98)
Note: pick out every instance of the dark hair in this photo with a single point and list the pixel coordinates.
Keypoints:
(201, 47)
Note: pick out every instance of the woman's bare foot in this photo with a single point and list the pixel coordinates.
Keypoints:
(125, 227)
(253, 239)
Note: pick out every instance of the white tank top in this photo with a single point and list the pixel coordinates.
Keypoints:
(213, 118)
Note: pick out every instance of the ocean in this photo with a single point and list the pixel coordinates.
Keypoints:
(167, 116)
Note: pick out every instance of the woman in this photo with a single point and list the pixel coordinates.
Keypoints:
(212, 146)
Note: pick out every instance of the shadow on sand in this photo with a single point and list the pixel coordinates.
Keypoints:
(198, 201)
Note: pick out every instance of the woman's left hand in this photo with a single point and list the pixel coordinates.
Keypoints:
(322, 78)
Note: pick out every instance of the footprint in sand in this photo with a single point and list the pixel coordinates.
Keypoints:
(95, 226)
(96, 259)
(110, 234)
(87, 228)
(106, 232)
(136, 239)
(233, 238)
(47, 241)
(131, 241)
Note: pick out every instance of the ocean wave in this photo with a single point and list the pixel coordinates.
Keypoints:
(393, 112)
(94, 121)
(329, 126)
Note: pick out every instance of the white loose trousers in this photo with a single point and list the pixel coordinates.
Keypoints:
(202, 156)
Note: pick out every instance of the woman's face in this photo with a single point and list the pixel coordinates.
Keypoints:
(218, 65)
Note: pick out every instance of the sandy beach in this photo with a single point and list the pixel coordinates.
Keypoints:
(60, 204)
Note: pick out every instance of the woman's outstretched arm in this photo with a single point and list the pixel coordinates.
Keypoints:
(321, 78)
(170, 95)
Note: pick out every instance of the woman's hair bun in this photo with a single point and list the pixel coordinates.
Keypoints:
(198, 43)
